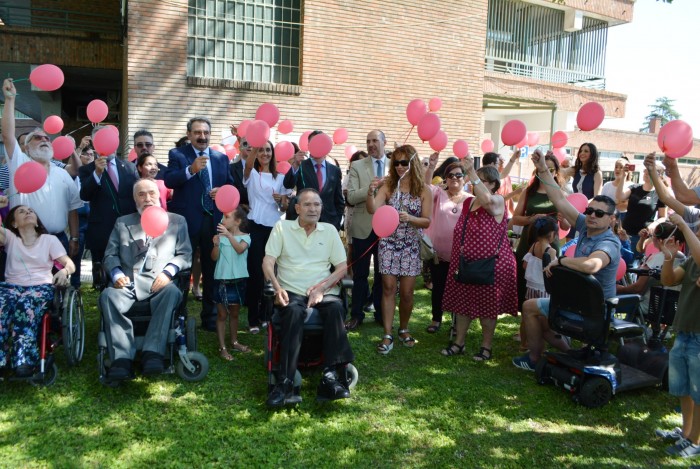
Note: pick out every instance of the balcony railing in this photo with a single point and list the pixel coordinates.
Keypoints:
(67, 20)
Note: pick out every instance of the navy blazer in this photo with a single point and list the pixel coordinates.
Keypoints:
(331, 195)
(237, 174)
(187, 194)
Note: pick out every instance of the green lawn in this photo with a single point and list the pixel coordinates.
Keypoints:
(411, 408)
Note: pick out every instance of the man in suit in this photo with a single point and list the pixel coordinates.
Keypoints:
(362, 173)
(317, 174)
(195, 173)
(142, 268)
(238, 165)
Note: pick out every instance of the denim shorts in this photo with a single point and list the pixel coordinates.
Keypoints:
(543, 306)
(230, 292)
(684, 366)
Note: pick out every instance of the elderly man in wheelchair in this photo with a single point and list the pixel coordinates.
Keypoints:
(304, 251)
(142, 268)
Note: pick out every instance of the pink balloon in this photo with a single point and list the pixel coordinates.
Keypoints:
(683, 152)
(105, 141)
(340, 136)
(522, 143)
(154, 221)
(675, 136)
(97, 111)
(285, 127)
(132, 155)
(578, 200)
(513, 131)
(258, 133)
(435, 104)
(283, 151)
(533, 138)
(562, 232)
(559, 139)
(53, 125)
(113, 129)
(243, 127)
(269, 113)
(63, 147)
(415, 111)
(590, 116)
(621, 270)
(349, 151)
(487, 145)
(571, 251)
(439, 141)
(560, 153)
(283, 167)
(47, 77)
(320, 146)
(428, 126)
(227, 198)
(304, 141)
(385, 221)
(230, 151)
(30, 177)
(650, 249)
(460, 148)
(219, 148)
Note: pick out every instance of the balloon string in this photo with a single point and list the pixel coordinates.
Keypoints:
(74, 131)
(364, 253)
(409, 134)
(19, 79)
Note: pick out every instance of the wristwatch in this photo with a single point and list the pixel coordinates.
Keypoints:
(75, 239)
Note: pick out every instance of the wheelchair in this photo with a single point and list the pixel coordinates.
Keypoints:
(311, 353)
(592, 375)
(181, 349)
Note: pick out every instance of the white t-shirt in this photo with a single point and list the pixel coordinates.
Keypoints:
(31, 266)
(610, 190)
(261, 186)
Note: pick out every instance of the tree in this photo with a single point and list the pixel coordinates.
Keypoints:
(662, 109)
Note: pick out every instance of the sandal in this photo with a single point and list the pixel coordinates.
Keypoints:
(254, 330)
(239, 347)
(432, 329)
(407, 341)
(383, 348)
(453, 349)
(223, 353)
(481, 356)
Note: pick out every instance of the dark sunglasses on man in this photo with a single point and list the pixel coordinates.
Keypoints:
(598, 212)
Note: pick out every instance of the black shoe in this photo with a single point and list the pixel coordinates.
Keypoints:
(151, 363)
(353, 324)
(283, 394)
(330, 389)
(120, 370)
(369, 308)
(24, 371)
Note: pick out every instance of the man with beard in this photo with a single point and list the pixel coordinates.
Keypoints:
(195, 173)
(57, 202)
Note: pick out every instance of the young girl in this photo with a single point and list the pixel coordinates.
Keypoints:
(231, 273)
(543, 232)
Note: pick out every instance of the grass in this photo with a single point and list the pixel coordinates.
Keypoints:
(411, 408)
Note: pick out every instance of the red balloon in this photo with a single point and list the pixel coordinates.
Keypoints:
(63, 147)
(304, 141)
(415, 111)
(683, 152)
(513, 132)
(578, 200)
(154, 221)
(285, 127)
(439, 141)
(428, 126)
(560, 153)
(621, 270)
(283, 167)
(47, 77)
(227, 198)
(133, 156)
(230, 151)
(283, 151)
(675, 136)
(533, 138)
(219, 148)
(243, 127)
(562, 232)
(269, 113)
(349, 151)
(571, 251)
(559, 139)
(522, 143)
(590, 116)
(30, 177)
(460, 148)
(53, 125)
(320, 146)
(487, 145)
(435, 104)
(97, 111)
(258, 133)
(340, 136)
(385, 221)
(113, 129)
(105, 141)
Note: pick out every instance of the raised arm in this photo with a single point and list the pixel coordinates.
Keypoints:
(492, 203)
(597, 183)
(513, 158)
(683, 193)
(430, 170)
(554, 192)
(8, 117)
(621, 192)
(691, 240)
(661, 189)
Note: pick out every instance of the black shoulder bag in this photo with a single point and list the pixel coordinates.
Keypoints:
(479, 271)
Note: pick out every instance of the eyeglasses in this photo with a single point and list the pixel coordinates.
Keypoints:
(455, 175)
(144, 145)
(598, 212)
(401, 163)
(43, 138)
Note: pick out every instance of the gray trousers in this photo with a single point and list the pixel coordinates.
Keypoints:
(119, 331)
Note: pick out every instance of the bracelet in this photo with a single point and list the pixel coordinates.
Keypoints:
(667, 259)
(74, 238)
(560, 258)
(477, 182)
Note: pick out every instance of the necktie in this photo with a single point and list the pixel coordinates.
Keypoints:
(113, 175)
(207, 203)
(379, 168)
(319, 176)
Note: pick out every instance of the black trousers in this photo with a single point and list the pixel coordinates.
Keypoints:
(336, 347)
(259, 234)
(203, 239)
(439, 274)
(360, 274)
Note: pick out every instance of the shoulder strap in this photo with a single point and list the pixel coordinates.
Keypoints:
(466, 220)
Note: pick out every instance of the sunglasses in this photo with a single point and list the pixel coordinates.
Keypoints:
(401, 163)
(144, 145)
(455, 175)
(598, 212)
(41, 137)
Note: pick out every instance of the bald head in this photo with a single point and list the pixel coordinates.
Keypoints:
(375, 144)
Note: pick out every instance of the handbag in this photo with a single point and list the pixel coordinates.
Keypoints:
(479, 271)
(427, 252)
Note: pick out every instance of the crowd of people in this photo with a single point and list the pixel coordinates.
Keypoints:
(287, 231)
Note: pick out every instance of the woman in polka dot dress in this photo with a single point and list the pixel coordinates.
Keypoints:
(485, 235)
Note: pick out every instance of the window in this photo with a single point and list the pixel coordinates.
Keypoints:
(256, 41)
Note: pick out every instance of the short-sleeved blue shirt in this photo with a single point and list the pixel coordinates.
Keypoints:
(606, 242)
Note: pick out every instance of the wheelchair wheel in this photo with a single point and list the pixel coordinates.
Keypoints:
(201, 367)
(595, 392)
(353, 376)
(49, 375)
(73, 327)
(191, 325)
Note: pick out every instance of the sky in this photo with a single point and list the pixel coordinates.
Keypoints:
(654, 56)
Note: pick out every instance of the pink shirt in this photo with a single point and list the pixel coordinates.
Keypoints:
(442, 226)
(31, 266)
(505, 189)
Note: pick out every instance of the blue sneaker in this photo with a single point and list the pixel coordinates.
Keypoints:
(524, 363)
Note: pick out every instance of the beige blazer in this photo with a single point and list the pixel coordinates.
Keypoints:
(362, 173)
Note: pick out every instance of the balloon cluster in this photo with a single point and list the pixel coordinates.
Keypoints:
(427, 122)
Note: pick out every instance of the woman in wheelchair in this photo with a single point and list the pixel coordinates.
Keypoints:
(28, 286)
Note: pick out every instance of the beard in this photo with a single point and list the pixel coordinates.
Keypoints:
(42, 154)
